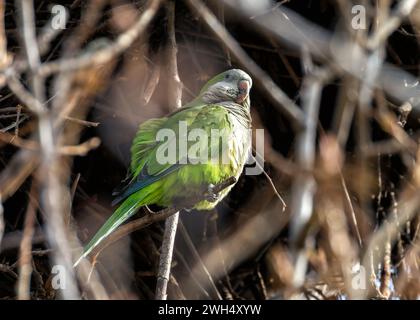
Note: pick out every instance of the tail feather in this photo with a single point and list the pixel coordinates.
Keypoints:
(126, 210)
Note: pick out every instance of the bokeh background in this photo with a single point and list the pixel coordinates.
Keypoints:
(350, 228)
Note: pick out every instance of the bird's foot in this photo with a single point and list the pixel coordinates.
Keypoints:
(148, 210)
(211, 196)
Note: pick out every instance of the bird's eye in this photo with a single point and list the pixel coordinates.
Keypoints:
(227, 76)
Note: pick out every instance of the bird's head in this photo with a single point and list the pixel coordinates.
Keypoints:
(229, 86)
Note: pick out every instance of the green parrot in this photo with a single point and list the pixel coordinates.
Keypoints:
(214, 132)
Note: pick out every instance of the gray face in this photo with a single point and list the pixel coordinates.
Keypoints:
(234, 86)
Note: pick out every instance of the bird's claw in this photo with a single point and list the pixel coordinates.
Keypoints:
(148, 210)
(211, 196)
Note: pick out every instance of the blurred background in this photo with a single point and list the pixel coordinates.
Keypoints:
(335, 90)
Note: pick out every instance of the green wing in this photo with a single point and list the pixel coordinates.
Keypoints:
(144, 167)
(144, 142)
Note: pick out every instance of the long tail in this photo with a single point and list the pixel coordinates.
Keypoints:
(127, 209)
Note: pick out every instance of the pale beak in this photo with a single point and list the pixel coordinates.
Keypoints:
(243, 86)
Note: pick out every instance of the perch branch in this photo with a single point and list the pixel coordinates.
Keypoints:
(171, 224)
(148, 219)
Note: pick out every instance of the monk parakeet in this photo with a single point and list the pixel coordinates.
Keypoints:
(175, 157)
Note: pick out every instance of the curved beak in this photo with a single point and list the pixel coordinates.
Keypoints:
(243, 86)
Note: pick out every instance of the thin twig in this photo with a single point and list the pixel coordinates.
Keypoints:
(78, 150)
(350, 206)
(299, 33)
(2, 225)
(53, 193)
(266, 84)
(25, 256)
(81, 149)
(273, 187)
(175, 96)
(102, 56)
(402, 11)
(4, 59)
(148, 219)
(83, 122)
(304, 186)
(197, 257)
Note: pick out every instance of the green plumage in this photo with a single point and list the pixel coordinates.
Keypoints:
(223, 107)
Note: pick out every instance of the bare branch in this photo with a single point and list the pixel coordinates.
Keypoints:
(53, 193)
(304, 186)
(104, 55)
(276, 95)
(171, 224)
(25, 256)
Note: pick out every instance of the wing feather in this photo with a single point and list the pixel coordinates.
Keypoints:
(145, 169)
